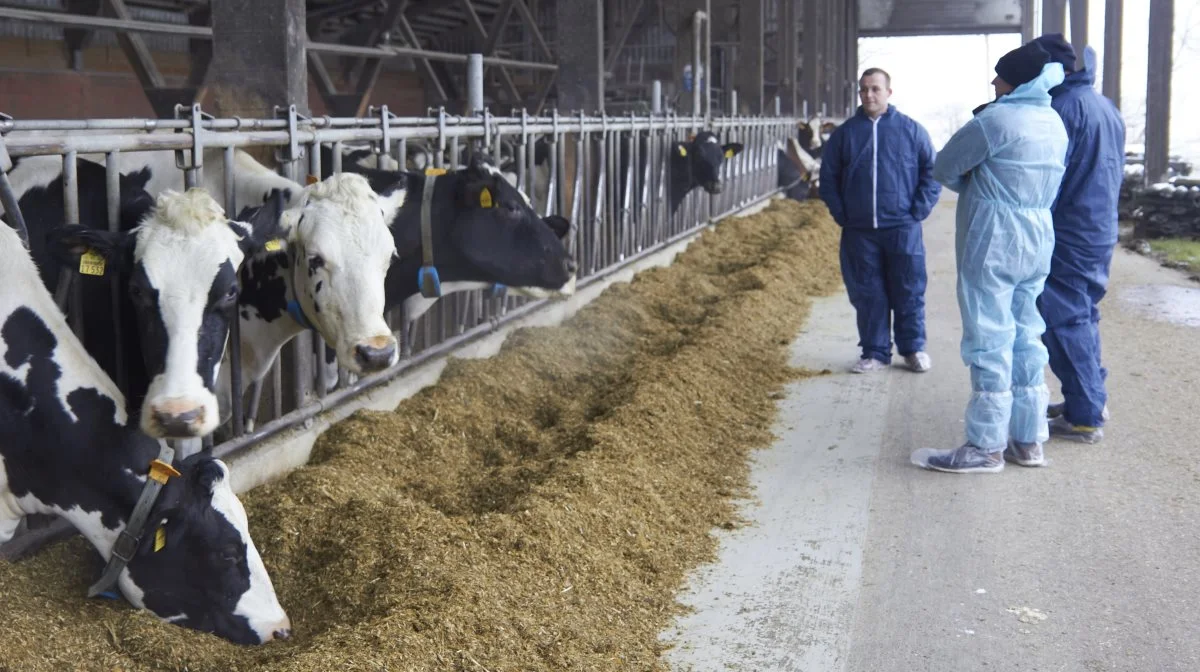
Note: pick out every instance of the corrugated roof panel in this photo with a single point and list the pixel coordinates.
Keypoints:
(878, 18)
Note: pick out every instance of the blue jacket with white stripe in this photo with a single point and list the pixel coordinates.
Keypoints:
(878, 173)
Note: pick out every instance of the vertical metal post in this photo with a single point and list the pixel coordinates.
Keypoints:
(314, 170)
(475, 84)
(112, 192)
(1158, 89)
(656, 97)
(235, 325)
(1113, 23)
(1028, 20)
(1054, 16)
(71, 211)
(708, 71)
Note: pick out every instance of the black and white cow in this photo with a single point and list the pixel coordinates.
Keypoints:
(697, 163)
(68, 447)
(479, 241)
(177, 273)
(340, 219)
(331, 278)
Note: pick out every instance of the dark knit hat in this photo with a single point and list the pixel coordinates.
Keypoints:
(1059, 49)
(1022, 64)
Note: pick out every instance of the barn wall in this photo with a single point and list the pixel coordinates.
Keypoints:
(36, 83)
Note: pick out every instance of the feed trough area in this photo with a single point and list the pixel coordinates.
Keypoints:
(537, 510)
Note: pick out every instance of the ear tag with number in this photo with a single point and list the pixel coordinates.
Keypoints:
(729, 153)
(485, 198)
(91, 263)
(160, 538)
(273, 245)
(682, 150)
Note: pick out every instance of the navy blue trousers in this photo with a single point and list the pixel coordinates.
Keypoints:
(1070, 306)
(884, 272)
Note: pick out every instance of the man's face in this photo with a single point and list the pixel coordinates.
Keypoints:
(1002, 87)
(874, 92)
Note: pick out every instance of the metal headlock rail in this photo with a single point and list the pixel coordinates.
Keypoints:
(617, 197)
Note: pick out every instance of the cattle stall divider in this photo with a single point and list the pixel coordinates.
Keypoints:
(609, 175)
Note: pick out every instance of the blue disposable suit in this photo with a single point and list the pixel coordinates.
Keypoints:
(877, 180)
(1007, 164)
(1085, 231)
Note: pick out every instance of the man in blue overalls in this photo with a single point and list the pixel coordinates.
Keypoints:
(877, 180)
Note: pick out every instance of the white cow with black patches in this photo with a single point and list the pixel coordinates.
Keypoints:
(67, 447)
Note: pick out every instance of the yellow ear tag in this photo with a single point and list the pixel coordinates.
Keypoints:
(312, 179)
(435, 171)
(160, 539)
(682, 150)
(485, 198)
(729, 153)
(161, 471)
(273, 245)
(91, 263)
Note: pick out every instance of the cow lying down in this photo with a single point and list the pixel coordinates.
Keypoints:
(68, 447)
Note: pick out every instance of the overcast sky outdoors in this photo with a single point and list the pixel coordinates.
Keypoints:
(939, 80)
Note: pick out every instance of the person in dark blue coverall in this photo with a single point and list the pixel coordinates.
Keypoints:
(877, 180)
(1085, 230)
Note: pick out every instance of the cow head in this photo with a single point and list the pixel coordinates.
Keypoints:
(702, 157)
(182, 262)
(500, 235)
(196, 565)
(341, 247)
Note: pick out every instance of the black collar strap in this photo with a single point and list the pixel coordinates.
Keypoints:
(127, 540)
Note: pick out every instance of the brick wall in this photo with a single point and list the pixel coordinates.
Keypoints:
(36, 82)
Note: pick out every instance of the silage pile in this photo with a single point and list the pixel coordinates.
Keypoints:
(534, 511)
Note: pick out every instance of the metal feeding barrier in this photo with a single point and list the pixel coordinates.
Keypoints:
(609, 175)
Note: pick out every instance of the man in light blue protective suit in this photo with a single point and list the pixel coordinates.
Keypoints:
(1085, 233)
(877, 180)
(1007, 164)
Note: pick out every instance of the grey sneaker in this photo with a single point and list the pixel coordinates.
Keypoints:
(1056, 410)
(1060, 428)
(918, 361)
(966, 459)
(1025, 454)
(867, 365)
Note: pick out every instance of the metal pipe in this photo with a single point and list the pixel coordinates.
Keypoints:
(112, 194)
(475, 84)
(697, 17)
(121, 25)
(386, 50)
(656, 97)
(235, 325)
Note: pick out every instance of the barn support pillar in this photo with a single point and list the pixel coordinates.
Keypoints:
(1114, 21)
(1158, 89)
(811, 66)
(258, 59)
(579, 27)
(1079, 29)
(1054, 16)
(750, 56)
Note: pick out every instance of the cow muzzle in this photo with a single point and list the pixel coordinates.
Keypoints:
(713, 187)
(375, 354)
(178, 418)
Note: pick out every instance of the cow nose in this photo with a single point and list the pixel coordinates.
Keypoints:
(714, 187)
(178, 424)
(283, 633)
(371, 358)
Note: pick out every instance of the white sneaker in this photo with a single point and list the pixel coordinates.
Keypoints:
(867, 365)
(918, 361)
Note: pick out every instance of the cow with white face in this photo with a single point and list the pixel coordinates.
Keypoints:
(330, 278)
(193, 563)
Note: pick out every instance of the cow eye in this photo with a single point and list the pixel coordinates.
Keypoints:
(232, 293)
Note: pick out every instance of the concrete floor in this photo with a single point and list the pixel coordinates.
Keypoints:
(858, 561)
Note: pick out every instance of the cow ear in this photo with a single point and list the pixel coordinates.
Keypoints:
(68, 243)
(732, 149)
(481, 167)
(261, 228)
(558, 224)
(207, 474)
